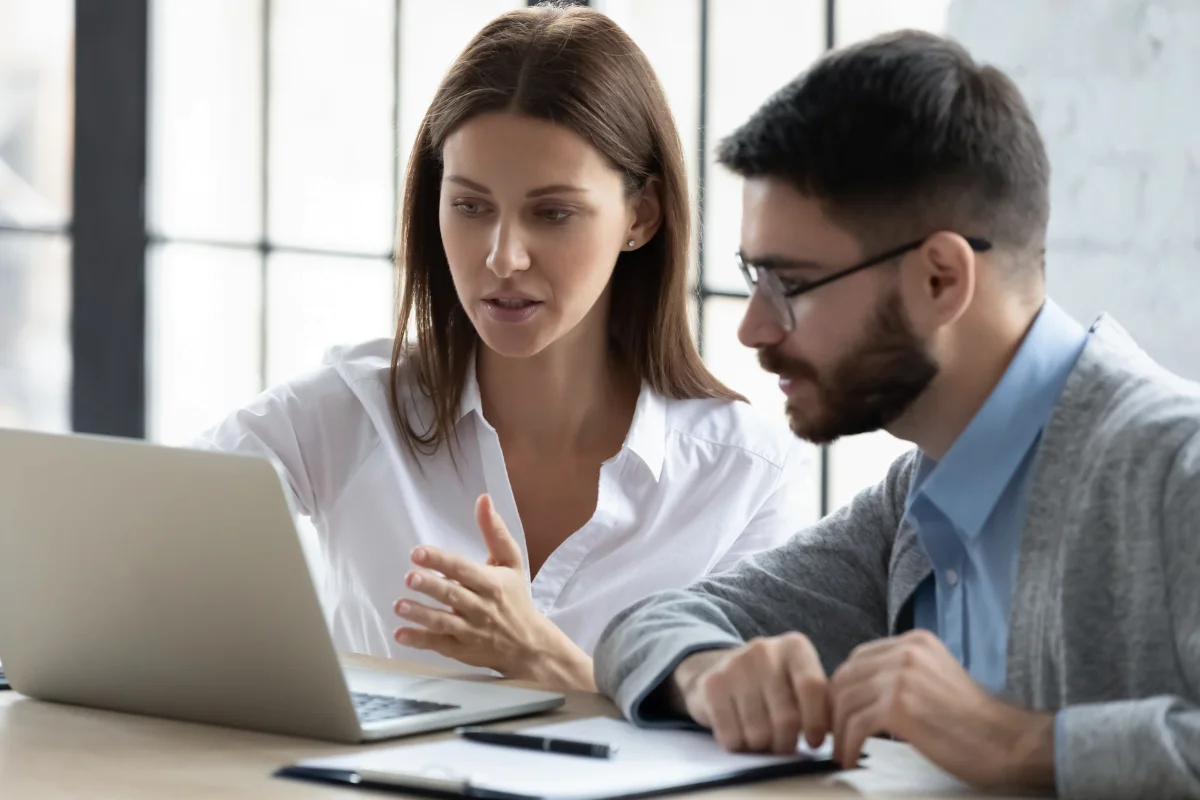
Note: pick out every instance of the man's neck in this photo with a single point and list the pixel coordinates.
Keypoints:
(983, 350)
(573, 396)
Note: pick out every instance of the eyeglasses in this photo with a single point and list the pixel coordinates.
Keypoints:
(765, 277)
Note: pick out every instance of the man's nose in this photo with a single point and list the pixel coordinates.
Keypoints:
(760, 326)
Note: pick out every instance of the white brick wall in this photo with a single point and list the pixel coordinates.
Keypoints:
(1115, 87)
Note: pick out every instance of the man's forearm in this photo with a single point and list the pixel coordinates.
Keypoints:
(691, 669)
(1029, 762)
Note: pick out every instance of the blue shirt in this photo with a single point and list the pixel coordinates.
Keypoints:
(969, 508)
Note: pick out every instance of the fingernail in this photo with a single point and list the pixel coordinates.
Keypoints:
(418, 555)
(401, 635)
(414, 580)
(403, 607)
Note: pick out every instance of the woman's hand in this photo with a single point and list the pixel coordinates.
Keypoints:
(491, 621)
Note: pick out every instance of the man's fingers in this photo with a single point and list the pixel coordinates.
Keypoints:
(783, 710)
(863, 664)
(503, 550)
(761, 697)
(754, 718)
(812, 696)
(718, 700)
(874, 647)
(698, 710)
(871, 658)
(849, 700)
(806, 678)
(857, 683)
(864, 722)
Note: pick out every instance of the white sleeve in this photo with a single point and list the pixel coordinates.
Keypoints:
(789, 507)
(306, 426)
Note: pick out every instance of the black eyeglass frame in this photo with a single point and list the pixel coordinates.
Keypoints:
(756, 276)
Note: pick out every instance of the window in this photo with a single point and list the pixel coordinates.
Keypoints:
(737, 84)
(36, 85)
(274, 172)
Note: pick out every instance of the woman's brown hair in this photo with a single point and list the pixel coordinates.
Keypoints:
(576, 68)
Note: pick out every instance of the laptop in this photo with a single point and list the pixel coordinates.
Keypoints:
(172, 583)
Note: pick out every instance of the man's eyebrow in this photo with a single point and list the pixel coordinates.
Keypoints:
(772, 261)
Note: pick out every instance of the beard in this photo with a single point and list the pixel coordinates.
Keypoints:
(868, 388)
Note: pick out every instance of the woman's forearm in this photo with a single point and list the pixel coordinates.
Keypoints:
(559, 664)
(572, 670)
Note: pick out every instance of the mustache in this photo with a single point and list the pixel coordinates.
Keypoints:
(771, 360)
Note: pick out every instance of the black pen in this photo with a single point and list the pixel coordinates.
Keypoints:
(568, 747)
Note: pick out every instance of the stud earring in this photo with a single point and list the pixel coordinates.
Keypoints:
(632, 242)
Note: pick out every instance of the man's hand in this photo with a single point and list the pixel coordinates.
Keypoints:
(911, 687)
(758, 697)
(491, 621)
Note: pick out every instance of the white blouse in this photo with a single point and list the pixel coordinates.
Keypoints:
(697, 485)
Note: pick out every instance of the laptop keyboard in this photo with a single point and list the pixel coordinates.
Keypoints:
(376, 707)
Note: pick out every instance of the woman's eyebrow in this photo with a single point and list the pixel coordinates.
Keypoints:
(556, 188)
(541, 191)
(467, 182)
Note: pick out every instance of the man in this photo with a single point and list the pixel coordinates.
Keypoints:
(1019, 598)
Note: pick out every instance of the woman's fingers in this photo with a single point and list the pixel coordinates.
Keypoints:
(465, 603)
(435, 620)
(471, 575)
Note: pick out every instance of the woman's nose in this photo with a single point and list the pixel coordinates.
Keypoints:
(509, 253)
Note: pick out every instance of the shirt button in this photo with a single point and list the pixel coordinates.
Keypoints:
(952, 577)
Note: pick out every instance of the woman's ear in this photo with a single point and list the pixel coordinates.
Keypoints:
(647, 214)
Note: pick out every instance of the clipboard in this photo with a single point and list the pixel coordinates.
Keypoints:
(647, 763)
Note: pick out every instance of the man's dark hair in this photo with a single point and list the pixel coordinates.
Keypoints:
(901, 136)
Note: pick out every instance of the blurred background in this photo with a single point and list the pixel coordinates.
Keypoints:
(197, 197)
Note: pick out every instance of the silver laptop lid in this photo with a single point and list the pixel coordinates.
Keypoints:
(161, 581)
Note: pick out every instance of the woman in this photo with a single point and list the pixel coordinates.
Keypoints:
(547, 370)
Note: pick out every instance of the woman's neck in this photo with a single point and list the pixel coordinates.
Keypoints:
(574, 396)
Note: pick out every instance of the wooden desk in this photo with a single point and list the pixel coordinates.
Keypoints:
(50, 751)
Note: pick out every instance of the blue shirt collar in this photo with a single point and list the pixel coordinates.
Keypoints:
(968, 482)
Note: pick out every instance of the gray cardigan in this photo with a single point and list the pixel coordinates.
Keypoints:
(1105, 616)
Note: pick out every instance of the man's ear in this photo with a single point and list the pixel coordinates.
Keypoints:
(940, 281)
(648, 213)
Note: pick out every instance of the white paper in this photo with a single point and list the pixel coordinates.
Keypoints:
(893, 768)
(645, 760)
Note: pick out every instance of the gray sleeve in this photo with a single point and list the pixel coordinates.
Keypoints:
(1148, 747)
(1128, 748)
(828, 582)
